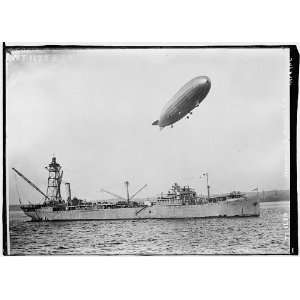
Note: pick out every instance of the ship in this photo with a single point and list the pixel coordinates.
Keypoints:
(178, 203)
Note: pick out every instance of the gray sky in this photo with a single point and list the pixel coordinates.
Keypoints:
(94, 109)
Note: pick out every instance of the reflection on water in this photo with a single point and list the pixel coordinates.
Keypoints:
(268, 233)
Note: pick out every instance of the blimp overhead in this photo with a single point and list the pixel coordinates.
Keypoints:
(184, 101)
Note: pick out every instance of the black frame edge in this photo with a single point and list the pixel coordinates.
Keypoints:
(294, 84)
(81, 47)
(4, 207)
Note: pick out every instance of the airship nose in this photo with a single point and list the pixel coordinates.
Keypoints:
(204, 83)
(203, 80)
(208, 81)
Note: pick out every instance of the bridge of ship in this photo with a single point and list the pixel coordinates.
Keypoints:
(187, 196)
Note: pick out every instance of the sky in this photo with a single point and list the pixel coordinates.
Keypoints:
(93, 110)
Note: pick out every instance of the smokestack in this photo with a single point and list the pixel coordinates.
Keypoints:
(68, 190)
(127, 190)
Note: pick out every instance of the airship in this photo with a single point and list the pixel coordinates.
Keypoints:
(184, 101)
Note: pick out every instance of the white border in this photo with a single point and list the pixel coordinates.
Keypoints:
(210, 22)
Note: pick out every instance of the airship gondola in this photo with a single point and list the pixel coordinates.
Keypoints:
(184, 101)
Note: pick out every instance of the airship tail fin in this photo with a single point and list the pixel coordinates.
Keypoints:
(155, 122)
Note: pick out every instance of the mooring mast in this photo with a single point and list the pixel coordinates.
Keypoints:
(54, 181)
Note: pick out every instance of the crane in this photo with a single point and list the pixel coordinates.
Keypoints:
(31, 183)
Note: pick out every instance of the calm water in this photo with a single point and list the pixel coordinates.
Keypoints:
(268, 233)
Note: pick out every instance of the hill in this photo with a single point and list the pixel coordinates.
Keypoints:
(272, 196)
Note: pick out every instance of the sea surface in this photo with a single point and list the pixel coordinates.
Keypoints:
(267, 234)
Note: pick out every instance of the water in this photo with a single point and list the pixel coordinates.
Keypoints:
(267, 234)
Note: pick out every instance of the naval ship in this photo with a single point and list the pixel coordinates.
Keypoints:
(177, 203)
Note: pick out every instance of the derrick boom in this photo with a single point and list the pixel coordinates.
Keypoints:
(31, 183)
(112, 194)
(128, 197)
(137, 192)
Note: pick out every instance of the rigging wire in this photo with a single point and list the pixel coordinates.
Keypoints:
(19, 195)
(16, 183)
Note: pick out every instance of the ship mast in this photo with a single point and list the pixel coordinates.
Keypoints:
(54, 181)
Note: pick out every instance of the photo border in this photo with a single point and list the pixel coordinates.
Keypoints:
(294, 85)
